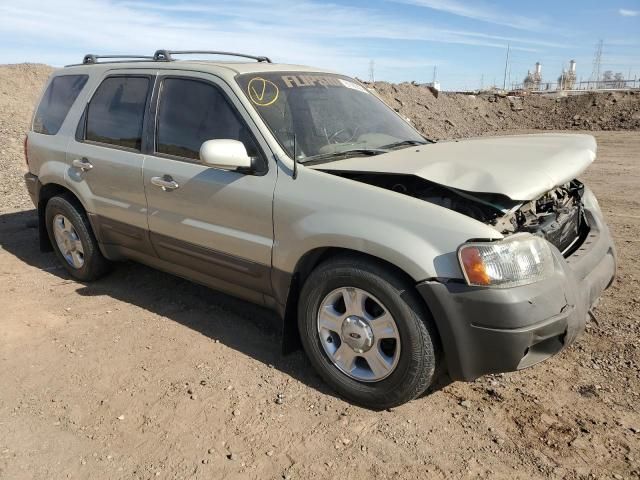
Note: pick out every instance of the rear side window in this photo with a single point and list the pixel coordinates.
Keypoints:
(56, 103)
(192, 112)
(116, 111)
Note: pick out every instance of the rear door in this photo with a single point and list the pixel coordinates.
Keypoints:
(106, 158)
(214, 222)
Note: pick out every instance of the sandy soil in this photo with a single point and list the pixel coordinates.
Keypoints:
(144, 375)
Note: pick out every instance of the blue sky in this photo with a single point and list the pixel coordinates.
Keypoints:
(405, 38)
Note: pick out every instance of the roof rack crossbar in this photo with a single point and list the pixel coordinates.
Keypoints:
(167, 55)
(91, 59)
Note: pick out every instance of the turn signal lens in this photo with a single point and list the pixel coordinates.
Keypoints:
(474, 267)
(518, 260)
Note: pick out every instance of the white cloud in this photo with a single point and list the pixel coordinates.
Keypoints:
(628, 13)
(480, 11)
(295, 18)
(307, 32)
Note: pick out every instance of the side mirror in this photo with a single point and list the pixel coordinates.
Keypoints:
(226, 155)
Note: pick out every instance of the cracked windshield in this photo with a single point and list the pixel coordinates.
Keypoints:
(325, 116)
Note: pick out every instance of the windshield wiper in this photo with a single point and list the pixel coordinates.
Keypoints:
(328, 157)
(405, 143)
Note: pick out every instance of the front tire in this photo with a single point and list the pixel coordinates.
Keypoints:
(366, 332)
(73, 240)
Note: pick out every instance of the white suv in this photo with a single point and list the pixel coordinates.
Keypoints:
(390, 257)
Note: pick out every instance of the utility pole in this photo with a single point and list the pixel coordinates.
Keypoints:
(506, 65)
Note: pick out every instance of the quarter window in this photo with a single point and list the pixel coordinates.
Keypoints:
(56, 103)
(116, 112)
(192, 112)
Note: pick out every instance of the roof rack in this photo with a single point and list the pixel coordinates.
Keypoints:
(167, 55)
(162, 56)
(91, 59)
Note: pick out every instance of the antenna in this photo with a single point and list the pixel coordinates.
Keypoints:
(597, 61)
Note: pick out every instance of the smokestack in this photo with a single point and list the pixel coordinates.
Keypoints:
(572, 66)
(538, 68)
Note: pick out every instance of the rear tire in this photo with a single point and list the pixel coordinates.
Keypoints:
(348, 349)
(73, 240)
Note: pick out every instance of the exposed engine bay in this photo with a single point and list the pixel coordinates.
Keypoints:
(558, 215)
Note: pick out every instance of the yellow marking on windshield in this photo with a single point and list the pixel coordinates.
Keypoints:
(262, 92)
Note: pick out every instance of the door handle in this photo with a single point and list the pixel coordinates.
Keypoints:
(82, 163)
(166, 183)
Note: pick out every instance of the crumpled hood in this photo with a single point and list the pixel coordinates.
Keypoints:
(522, 167)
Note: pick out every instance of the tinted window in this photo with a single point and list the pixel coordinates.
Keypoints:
(57, 102)
(116, 111)
(192, 112)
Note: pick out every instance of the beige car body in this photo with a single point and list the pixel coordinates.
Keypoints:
(258, 235)
(283, 220)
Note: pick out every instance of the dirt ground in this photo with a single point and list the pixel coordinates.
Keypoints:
(143, 375)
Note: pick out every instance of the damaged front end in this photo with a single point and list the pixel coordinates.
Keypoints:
(558, 215)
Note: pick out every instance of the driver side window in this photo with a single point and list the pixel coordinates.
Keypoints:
(191, 112)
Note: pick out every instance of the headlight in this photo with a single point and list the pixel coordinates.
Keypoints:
(518, 260)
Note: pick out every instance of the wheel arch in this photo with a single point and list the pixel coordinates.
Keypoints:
(291, 285)
(45, 193)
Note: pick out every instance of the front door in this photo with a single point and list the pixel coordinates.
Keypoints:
(213, 222)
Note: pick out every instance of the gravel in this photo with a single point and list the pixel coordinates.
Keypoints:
(575, 416)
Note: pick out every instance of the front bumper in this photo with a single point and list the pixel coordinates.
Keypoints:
(487, 330)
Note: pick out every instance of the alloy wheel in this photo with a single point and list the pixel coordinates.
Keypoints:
(68, 241)
(358, 334)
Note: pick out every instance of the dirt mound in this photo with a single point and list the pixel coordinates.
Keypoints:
(453, 115)
(446, 116)
(20, 88)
